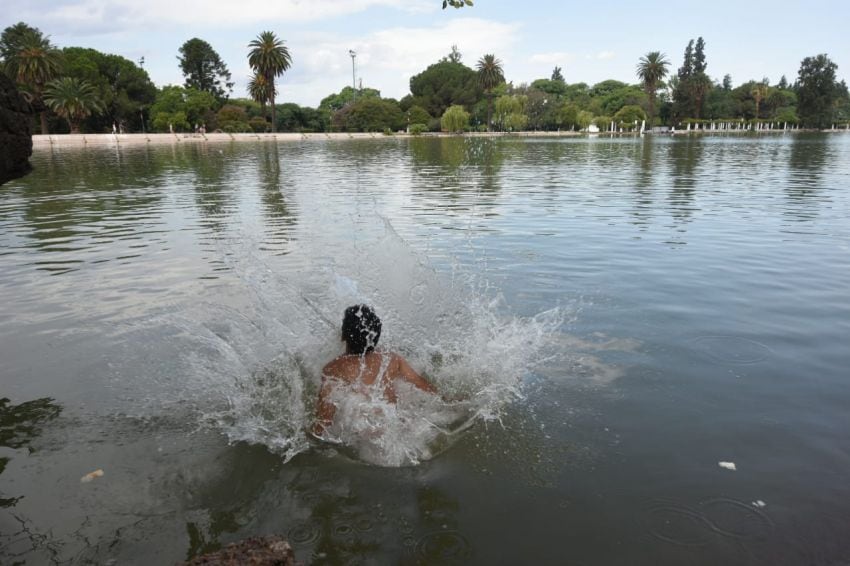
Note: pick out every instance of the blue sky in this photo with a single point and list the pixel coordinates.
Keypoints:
(395, 39)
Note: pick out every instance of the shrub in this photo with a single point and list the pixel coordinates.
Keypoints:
(418, 129)
(455, 119)
(259, 125)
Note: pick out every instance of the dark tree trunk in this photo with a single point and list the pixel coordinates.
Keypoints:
(43, 116)
(274, 118)
(489, 110)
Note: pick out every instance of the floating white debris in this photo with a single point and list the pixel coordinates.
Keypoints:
(727, 465)
(759, 503)
(91, 475)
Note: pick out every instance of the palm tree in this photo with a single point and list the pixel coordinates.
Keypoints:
(258, 89)
(269, 57)
(490, 75)
(651, 69)
(35, 63)
(759, 93)
(73, 99)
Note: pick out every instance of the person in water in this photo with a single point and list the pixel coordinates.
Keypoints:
(362, 365)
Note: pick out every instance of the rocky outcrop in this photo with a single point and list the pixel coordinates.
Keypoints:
(15, 132)
(254, 551)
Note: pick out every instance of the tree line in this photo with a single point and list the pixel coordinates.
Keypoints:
(80, 89)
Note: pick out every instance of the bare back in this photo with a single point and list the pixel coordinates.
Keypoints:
(365, 369)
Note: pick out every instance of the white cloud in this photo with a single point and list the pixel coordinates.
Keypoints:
(386, 59)
(604, 55)
(106, 15)
(553, 58)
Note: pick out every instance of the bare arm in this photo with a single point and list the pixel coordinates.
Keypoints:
(325, 410)
(408, 374)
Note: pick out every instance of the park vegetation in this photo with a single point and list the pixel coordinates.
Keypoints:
(77, 89)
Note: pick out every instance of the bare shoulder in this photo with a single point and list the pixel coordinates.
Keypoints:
(335, 368)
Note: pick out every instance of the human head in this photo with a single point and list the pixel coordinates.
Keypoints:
(361, 329)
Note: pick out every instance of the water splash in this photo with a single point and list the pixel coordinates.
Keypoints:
(252, 368)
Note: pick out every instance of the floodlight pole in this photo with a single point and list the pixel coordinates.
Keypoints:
(353, 73)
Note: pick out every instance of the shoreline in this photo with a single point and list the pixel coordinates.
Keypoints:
(42, 141)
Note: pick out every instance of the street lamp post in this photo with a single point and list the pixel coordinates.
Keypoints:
(353, 73)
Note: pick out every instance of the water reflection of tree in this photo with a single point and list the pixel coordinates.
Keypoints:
(213, 193)
(809, 156)
(279, 218)
(686, 155)
(20, 425)
(458, 173)
(71, 194)
(229, 504)
(644, 180)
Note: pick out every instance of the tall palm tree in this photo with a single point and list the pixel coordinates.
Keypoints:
(759, 92)
(269, 57)
(258, 89)
(34, 64)
(651, 69)
(490, 75)
(73, 99)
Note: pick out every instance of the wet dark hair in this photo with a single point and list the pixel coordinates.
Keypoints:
(361, 329)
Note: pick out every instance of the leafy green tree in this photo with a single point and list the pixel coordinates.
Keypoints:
(651, 70)
(259, 90)
(786, 114)
(557, 76)
(455, 119)
(550, 86)
(32, 61)
(233, 119)
(721, 103)
(177, 104)
(456, 3)
(578, 93)
(295, 118)
(568, 115)
(603, 122)
(584, 119)
(12, 39)
(615, 99)
(347, 95)
(541, 109)
(124, 89)
(693, 84)
(418, 115)
(510, 112)
(627, 116)
(165, 121)
(270, 57)
(759, 92)
(454, 55)
(203, 69)
(71, 99)
(442, 85)
(699, 56)
(817, 91)
(370, 115)
(490, 75)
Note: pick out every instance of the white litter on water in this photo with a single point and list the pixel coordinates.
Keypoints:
(91, 475)
(759, 503)
(727, 465)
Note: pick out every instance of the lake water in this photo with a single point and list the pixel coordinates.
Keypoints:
(617, 316)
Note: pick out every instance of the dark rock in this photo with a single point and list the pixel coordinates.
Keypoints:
(254, 551)
(15, 132)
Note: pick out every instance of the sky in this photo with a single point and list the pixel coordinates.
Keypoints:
(396, 39)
